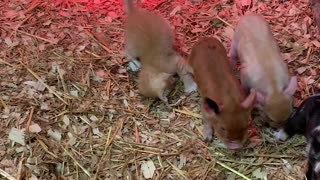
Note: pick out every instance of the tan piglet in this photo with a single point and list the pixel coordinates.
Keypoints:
(149, 45)
(263, 68)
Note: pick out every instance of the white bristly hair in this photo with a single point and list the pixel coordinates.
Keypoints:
(280, 135)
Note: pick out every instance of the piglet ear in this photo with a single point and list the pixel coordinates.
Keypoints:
(248, 102)
(261, 98)
(292, 86)
(210, 107)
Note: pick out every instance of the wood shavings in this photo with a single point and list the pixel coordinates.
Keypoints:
(148, 169)
(17, 136)
(64, 79)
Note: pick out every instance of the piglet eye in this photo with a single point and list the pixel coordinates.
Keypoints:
(223, 129)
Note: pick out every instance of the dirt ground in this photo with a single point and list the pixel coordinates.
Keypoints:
(70, 109)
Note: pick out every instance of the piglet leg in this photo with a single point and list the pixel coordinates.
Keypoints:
(188, 82)
(134, 65)
(315, 5)
(244, 83)
(164, 99)
(208, 132)
(308, 170)
(165, 84)
(134, 62)
(185, 72)
(162, 95)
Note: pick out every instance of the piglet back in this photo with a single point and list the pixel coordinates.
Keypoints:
(150, 37)
(209, 60)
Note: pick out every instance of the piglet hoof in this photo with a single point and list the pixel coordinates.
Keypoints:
(192, 87)
(134, 65)
(208, 140)
(280, 135)
(164, 99)
(208, 136)
(208, 132)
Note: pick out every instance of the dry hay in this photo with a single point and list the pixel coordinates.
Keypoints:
(73, 111)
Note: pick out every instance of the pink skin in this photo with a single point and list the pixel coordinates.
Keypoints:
(260, 98)
(289, 91)
(233, 144)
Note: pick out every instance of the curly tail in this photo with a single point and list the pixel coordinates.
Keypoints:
(129, 6)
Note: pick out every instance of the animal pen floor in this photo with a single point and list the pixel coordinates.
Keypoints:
(71, 110)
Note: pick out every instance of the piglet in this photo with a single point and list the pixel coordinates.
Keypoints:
(226, 111)
(155, 84)
(149, 45)
(263, 68)
(306, 120)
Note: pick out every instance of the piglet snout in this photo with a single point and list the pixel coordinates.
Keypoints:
(233, 144)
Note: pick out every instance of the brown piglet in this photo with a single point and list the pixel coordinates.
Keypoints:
(226, 111)
(149, 45)
(263, 68)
